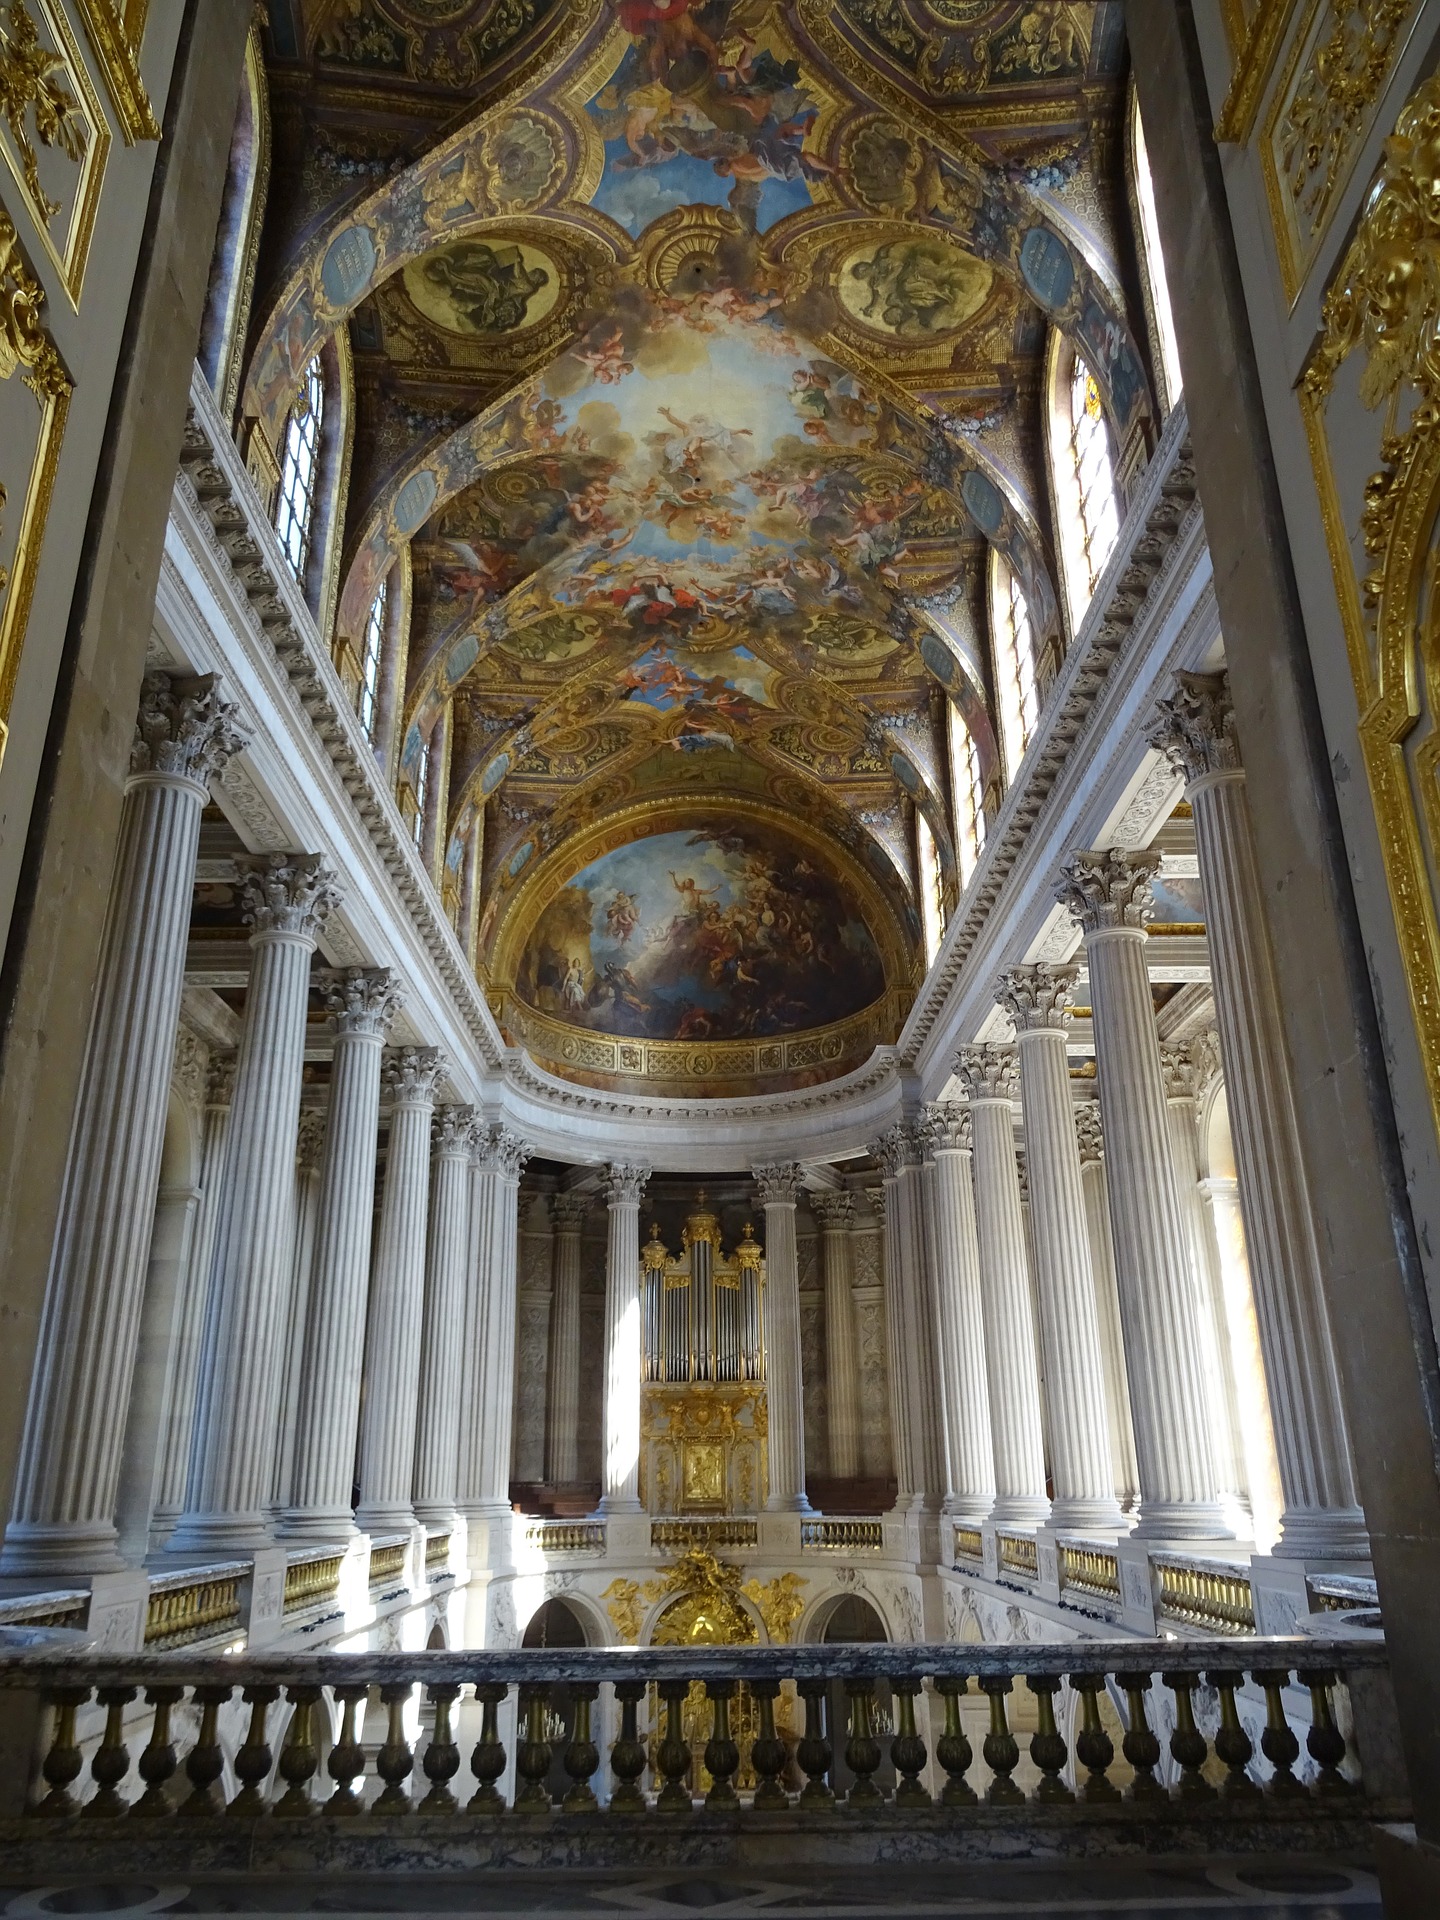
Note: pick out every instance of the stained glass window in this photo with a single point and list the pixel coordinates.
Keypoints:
(295, 504)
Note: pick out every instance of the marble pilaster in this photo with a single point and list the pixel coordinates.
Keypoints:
(835, 1213)
(777, 1188)
(309, 1152)
(563, 1412)
(67, 1479)
(916, 1391)
(1195, 728)
(362, 1004)
(624, 1185)
(970, 1476)
(442, 1356)
(1109, 892)
(488, 1388)
(1090, 1139)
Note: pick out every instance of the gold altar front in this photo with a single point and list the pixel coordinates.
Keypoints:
(703, 1448)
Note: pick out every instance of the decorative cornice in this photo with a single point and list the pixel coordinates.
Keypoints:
(498, 1150)
(1038, 994)
(778, 1185)
(309, 1138)
(291, 893)
(523, 1074)
(410, 1075)
(624, 1181)
(990, 1072)
(1108, 889)
(185, 729)
(1195, 727)
(946, 1127)
(834, 1208)
(361, 1000)
(1089, 1133)
(452, 1132)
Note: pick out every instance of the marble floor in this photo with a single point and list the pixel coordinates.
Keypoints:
(1258, 1887)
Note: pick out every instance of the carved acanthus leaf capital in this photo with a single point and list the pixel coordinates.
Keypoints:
(363, 1000)
(452, 1132)
(187, 1070)
(498, 1150)
(220, 1080)
(1039, 994)
(777, 1185)
(946, 1126)
(1209, 1066)
(624, 1182)
(1022, 1174)
(1195, 727)
(185, 729)
(991, 1072)
(877, 1196)
(411, 1073)
(1089, 1134)
(309, 1138)
(896, 1149)
(833, 1208)
(1178, 1069)
(1108, 889)
(569, 1210)
(287, 892)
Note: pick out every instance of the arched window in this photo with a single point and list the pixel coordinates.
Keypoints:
(1087, 501)
(1152, 265)
(969, 793)
(300, 470)
(422, 790)
(932, 898)
(1014, 643)
(237, 237)
(371, 649)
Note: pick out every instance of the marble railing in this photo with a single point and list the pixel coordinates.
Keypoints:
(703, 1731)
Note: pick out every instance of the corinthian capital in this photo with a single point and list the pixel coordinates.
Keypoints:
(1039, 994)
(990, 1072)
(287, 892)
(834, 1210)
(498, 1150)
(1195, 727)
(624, 1182)
(309, 1139)
(777, 1185)
(410, 1075)
(362, 999)
(220, 1080)
(1109, 889)
(569, 1210)
(452, 1132)
(897, 1149)
(946, 1126)
(185, 729)
(1178, 1069)
(1089, 1135)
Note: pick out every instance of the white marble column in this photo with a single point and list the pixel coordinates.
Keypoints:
(287, 898)
(362, 1004)
(488, 1387)
(777, 1188)
(397, 1297)
(970, 1478)
(1090, 1139)
(872, 1338)
(185, 1368)
(1109, 892)
(624, 1184)
(442, 1353)
(1195, 728)
(1038, 998)
(67, 1479)
(835, 1212)
(992, 1078)
(562, 1440)
(309, 1152)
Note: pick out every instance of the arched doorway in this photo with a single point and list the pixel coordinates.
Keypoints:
(853, 1621)
(553, 1626)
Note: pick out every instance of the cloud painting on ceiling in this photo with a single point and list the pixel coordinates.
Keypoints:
(717, 934)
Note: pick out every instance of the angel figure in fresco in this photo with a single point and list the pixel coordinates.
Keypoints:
(669, 31)
(622, 916)
(572, 987)
(692, 893)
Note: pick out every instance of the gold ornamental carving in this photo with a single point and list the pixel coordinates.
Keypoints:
(115, 29)
(53, 131)
(1384, 305)
(779, 1603)
(624, 1604)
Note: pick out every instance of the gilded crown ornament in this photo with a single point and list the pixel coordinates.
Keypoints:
(1039, 994)
(1110, 889)
(185, 728)
(287, 892)
(1195, 727)
(361, 1000)
(990, 1072)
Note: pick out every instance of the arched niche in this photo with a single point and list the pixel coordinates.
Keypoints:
(555, 1624)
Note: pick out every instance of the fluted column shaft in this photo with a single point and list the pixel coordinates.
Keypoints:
(624, 1185)
(842, 1379)
(1107, 1303)
(562, 1450)
(778, 1188)
(1011, 1364)
(397, 1297)
(916, 1399)
(1322, 1513)
(287, 898)
(1038, 999)
(488, 1388)
(1179, 1483)
(309, 1151)
(362, 1005)
(68, 1476)
(437, 1427)
(970, 1479)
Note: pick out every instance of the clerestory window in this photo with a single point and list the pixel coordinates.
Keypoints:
(932, 897)
(422, 791)
(1152, 260)
(1093, 469)
(300, 469)
(969, 795)
(1014, 643)
(372, 648)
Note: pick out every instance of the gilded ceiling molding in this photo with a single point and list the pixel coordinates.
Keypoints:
(115, 29)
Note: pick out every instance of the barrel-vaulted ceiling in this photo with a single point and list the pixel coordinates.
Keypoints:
(698, 353)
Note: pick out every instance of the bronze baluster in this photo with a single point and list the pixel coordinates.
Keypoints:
(1324, 1742)
(1187, 1743)
(627, 1753)
(1001, 1749)
(205, 1761)
(395, 1761)
(254, 1759)
(63, 1760)
(767, 1755)
(532, 1753)
(1047, 1745)
(112, 1759)
(487, 1760)
(1277, 1742)
(862, 1749)
(299, 1756)
(1140, 1746)
(582, 1756)
(1094, 1748)
(442, 1756)
(953, 1749)
(722, 1755)
(1232, 1744)
(673, 1755)
(345, 1762)
(815, 1752)
(158, 1762)
(907, 1749)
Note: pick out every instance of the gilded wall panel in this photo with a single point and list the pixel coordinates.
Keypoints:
(53, 132)
(115, 29)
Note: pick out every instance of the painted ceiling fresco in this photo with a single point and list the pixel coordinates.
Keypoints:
(697, 354)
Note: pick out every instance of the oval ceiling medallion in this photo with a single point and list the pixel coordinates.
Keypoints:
(912, 287)
(484, 287)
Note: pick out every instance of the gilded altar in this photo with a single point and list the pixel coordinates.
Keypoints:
(703, 1448)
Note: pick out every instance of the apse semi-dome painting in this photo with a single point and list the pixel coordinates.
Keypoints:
(697, 355)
